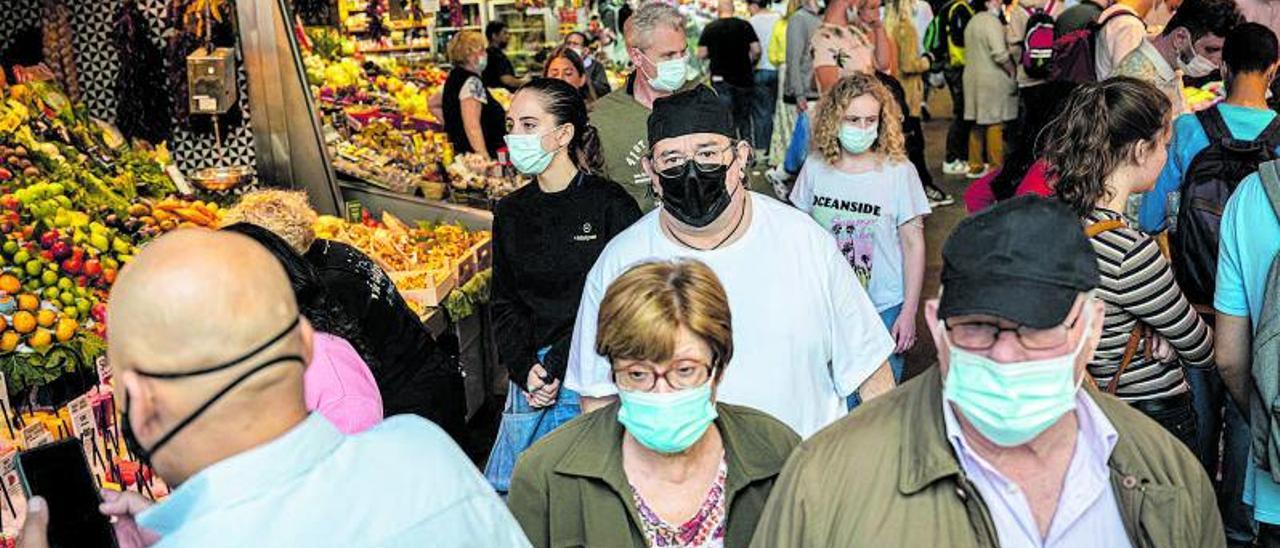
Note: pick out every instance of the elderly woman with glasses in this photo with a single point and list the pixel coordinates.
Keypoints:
(666, 465)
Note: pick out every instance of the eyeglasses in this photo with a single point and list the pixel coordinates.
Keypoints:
(983, 335)
(706, 160)
(639, 378)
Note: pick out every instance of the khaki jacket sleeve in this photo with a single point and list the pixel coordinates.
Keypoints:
(529, 502)
(785, 520)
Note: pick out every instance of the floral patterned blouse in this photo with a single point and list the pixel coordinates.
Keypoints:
(847, 48)
(704, 530)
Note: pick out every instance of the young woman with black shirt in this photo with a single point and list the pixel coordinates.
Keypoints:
(546, 237)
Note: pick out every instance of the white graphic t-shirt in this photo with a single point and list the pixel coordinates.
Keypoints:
(863, 212)
(805, 335)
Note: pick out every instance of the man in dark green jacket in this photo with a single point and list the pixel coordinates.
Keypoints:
(999, 445)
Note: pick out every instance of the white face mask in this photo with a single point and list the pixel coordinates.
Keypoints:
(1198, 66)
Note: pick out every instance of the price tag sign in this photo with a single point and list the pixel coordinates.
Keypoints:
(430, 6)
(9, 474)
(35, 435)
(81, 416)
(104, 370)
(355, 212)
(179, 181)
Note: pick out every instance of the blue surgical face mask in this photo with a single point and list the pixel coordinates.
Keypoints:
(857, 140)
(667, 422)
(1012, 403)
(671, 74)
(527, 154)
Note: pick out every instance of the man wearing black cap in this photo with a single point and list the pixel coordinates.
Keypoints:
(1000, 445)
(805, 334)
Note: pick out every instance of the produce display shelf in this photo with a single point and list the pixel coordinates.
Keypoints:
(395, 49)
(467, 27)
(404, 206)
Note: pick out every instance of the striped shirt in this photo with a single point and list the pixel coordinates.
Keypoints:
(1137, 285)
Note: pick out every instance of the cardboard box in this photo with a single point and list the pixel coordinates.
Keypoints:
(431, 295)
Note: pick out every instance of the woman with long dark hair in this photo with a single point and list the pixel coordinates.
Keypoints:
(565, 64)
(1109, 143)
(546, 237)
(338, 382)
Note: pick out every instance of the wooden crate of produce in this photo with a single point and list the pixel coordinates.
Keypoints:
(426, 287)
(483, 252)
(467, 267)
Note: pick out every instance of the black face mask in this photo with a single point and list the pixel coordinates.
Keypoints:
(143, 454)
(695, 194)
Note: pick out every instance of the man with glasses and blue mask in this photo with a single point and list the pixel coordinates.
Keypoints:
(807, 334)
(1004, 443)
(209, 353)
(656, 43)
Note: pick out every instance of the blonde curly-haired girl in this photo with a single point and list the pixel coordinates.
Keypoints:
(858, 184)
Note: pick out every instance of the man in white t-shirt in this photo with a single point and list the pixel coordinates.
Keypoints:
(1123, 30)
(805, 334)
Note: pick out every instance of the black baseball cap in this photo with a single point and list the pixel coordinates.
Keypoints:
(698, 110)
(1024, 260)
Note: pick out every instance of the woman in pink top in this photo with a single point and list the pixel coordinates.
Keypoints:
(338, 383)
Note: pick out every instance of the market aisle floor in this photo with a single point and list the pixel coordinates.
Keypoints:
(938, 226)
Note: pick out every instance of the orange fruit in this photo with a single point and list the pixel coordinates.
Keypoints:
(46, 318)
(28, 302)
(4, 324)
(10, 284)
(41, 339)
(24, 322)
(66, 329)
(9, 341)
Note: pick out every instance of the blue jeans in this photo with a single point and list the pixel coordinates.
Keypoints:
(521, 426)
(762, 107)
(897, 362)
(1220, 422)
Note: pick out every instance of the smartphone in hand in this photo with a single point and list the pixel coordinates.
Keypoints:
(60, 474)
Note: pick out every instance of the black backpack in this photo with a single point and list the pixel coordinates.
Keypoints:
(1209, 181)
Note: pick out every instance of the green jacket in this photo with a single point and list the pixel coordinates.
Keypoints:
(886, 476)
(569, 489)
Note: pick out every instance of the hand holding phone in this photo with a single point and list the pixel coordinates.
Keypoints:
(62, 496)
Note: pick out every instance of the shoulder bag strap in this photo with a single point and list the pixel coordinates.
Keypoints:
(1117, 14)
(1270, 173)
(1215, 127)
(1271, 134)
(1130, 351)
(1103, 226)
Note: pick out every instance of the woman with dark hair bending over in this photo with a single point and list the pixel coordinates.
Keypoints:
(546, 237)
(338, 383)
(1109, 143)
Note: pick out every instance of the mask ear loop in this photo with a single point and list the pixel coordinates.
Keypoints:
(209, 403)
(225, 365)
